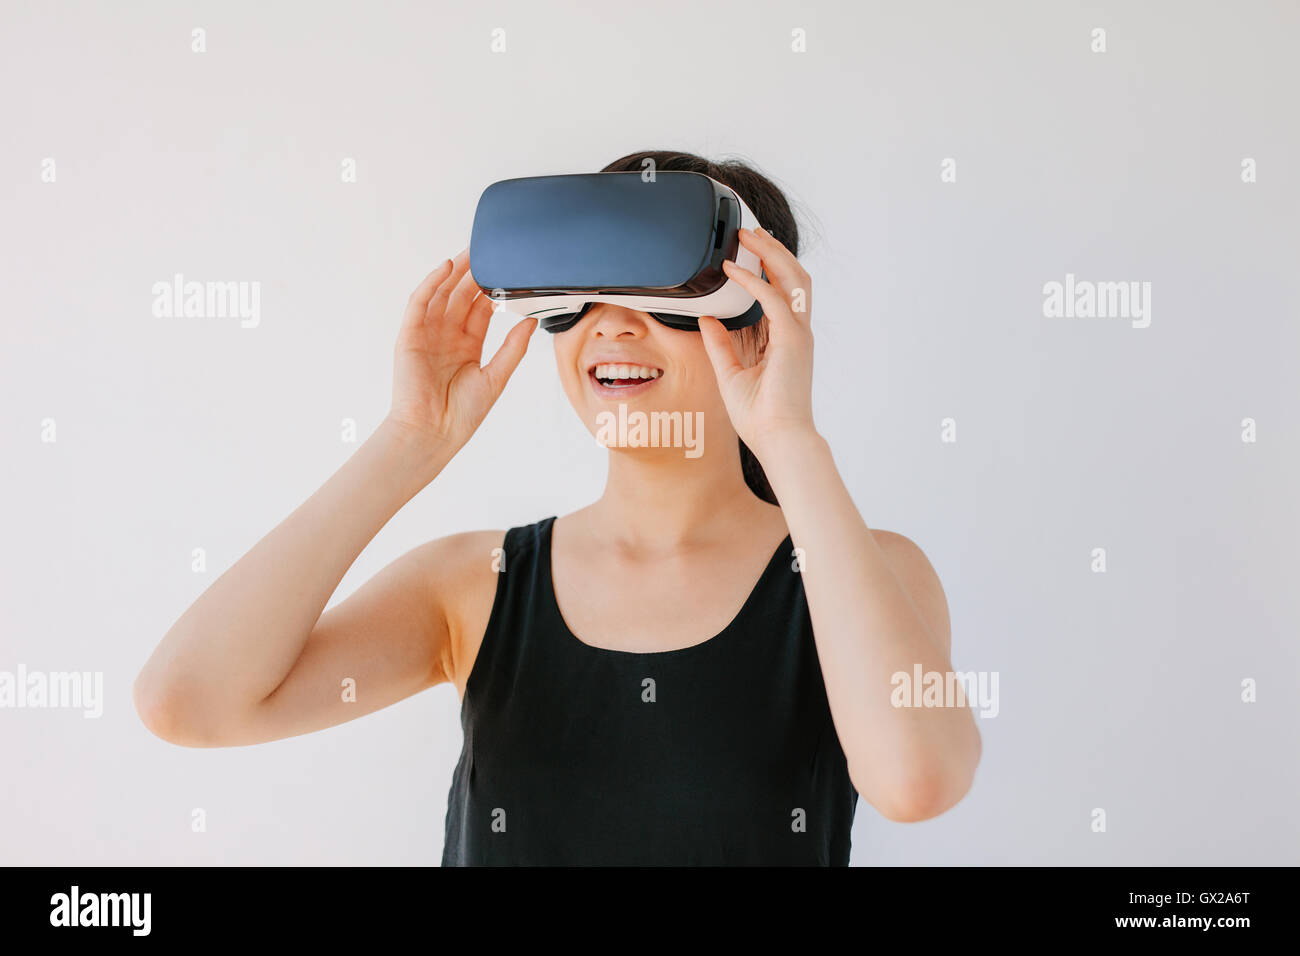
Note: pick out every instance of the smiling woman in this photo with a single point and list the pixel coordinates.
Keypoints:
(680, 672)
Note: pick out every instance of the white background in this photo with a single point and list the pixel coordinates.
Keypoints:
(1118, 690)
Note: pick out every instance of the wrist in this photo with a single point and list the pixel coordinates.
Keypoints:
(412, 453)
(794, 439)
(787, 454)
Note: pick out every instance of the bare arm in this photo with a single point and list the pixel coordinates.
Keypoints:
(237, 665)
(253, 659)
(878, 610)
(876, 605)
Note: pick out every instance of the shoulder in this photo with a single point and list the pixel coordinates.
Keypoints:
(457, 572)
(900, 547)
(918, 577)
(463, 572)
(460, 564)
(455, 556)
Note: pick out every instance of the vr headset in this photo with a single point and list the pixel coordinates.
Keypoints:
(554, 246)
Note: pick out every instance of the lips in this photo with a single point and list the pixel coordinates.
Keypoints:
(622, 379)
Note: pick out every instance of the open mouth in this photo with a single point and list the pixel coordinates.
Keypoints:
(610, 378)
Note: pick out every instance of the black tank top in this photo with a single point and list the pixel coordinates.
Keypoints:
(722, 753)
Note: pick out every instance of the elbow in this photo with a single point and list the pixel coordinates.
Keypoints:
(154, 710)
(922, 799)
(160, 710)
(925, 790)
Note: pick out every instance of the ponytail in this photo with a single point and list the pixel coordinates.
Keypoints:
(755, 477)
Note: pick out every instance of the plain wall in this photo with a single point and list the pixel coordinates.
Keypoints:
(1118, 690)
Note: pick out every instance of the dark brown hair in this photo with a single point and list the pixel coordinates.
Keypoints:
(773, 211)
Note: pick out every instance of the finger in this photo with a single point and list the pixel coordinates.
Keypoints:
(438, 303)
(479, 315)
(504, 363)
(774, 304)
(462, 295)
(418, 303)
(783, 270)
(721, 350)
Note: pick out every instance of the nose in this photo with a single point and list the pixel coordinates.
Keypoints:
(610, 321)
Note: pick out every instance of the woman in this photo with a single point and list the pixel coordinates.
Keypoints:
(683, 671)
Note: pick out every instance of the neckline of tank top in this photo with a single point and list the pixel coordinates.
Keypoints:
(553, 604)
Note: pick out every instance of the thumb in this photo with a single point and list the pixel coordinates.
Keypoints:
(720, 349)
(504, 363)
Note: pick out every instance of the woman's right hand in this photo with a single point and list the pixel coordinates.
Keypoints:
(440, 391)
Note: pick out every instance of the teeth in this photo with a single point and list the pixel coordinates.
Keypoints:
(626, 371)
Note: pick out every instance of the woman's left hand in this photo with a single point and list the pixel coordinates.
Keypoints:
(773, 397)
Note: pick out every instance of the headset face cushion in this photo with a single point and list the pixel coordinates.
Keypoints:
(688, 323)
(564, 321)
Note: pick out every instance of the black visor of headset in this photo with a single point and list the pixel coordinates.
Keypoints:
(554, 246)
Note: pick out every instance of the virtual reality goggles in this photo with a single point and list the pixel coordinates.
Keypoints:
(554, 246)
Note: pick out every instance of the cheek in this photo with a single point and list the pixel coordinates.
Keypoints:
(565, 357)
(572, 381)
(699, 383)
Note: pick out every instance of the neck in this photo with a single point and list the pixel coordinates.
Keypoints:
(656, 498)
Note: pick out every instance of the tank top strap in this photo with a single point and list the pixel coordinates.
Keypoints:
(523, 583)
